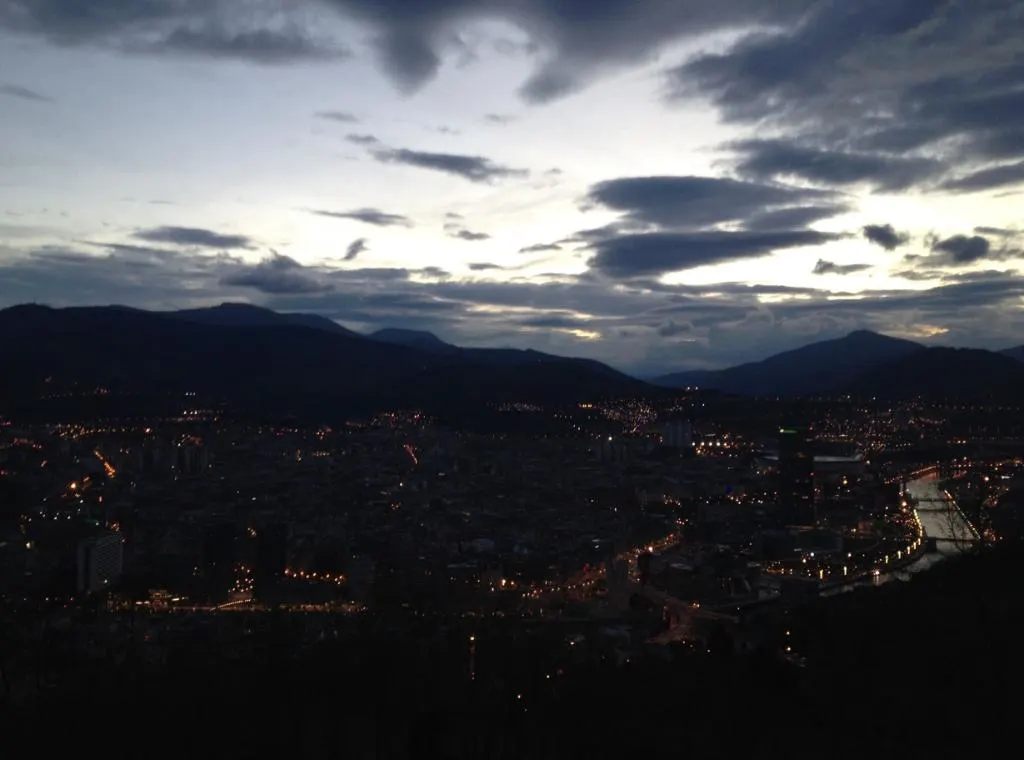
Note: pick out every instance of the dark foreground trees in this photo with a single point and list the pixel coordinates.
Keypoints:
(922, 667)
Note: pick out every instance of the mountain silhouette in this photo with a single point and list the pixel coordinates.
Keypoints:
(1014, 353)
(247, 315)
(257, 364)
(421, 339)
(945, 374)
(821, 367)
(496, 357)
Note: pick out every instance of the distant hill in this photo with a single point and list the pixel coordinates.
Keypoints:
(247, 315)
(1014, 353)
(962, 374)
(262, 365)
(494, 357)
(421, 339)
(820, 367)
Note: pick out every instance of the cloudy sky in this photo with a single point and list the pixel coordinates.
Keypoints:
(659, 185)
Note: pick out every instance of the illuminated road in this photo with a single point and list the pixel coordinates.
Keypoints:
(108, 468)
(584, 583)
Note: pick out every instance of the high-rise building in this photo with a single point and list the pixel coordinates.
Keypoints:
(677, 434)
(99, 562)
(796, 477)
(190, 459)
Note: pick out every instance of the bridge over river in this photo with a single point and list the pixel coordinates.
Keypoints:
(942, 520)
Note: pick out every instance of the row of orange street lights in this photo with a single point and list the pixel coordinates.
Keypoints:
(314, 576)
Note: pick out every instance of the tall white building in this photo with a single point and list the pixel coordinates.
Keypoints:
(99, 562)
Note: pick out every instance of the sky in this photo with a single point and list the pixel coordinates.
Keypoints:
(658, 185)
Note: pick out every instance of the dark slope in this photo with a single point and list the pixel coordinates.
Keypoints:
(247, 315)
(138, 351)
(421, 339)
(816, 368)
(498, 357)
(273, 369)
(416, 702)
(1014, 353)
(946, 374)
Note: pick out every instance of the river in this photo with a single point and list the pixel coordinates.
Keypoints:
(941, 520)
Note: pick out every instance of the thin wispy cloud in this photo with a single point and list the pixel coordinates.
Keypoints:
(472, 168)
(372, 216)
(24, 93)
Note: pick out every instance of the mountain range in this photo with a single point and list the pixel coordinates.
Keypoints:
(307, 365)
(262, 361)
(865, 363)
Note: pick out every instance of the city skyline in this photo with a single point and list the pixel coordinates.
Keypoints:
(673, 188)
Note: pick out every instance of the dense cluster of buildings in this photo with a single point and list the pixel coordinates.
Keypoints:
(667, 510)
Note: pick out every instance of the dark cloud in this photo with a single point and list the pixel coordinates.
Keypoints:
(885, 235)
(196, 27)
(577, 38)
(277, 275)
(343, 117)
(194, 236)
(673, 329)
(124, 274)
(73, 21)
(961, 249)
(790, 218)
(925, 275)
(433, 271)
(483, 266)
(997, 231)
(919, 275)
(788, 160)
(372, 216)
(454, 229)
(473, 168)
(887, 92)
(469, 235)
(499, 119)
(995, 177)
(626, 256)
(694, 202)
(964, 250)
(357, 246)
(362, 139)
(266, 46)
(139, 255)
(829, 267)
(24, 93)
(541, 248)
(407, 58)
(776, 68)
